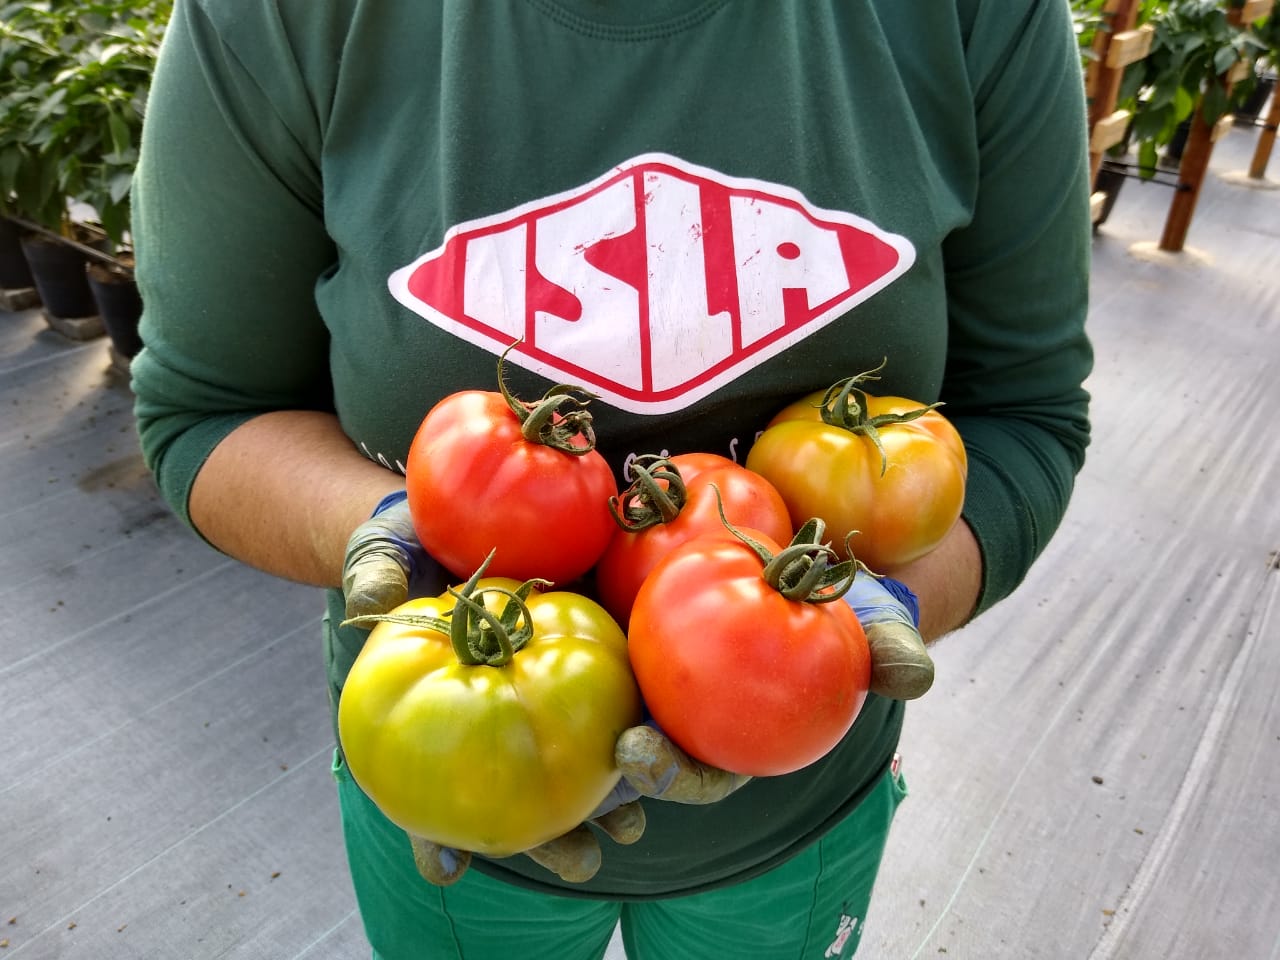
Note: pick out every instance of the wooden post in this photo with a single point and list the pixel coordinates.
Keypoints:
(1195, 161)
(1266, 140)
(1199, 148)
(1106, 71)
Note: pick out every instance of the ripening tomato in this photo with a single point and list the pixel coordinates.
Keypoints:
(482, 747)
(672, 501)
(736, 672)
(886, 467)
(487, 472)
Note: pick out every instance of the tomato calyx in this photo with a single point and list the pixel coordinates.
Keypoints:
(559, 420)
(803, 570)
(479, 636)
(845, 406)
(647, 503)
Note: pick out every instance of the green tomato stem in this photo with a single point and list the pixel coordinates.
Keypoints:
(646, 503)
(803, 570)
(479, 637)
(845, 406)
(558, 420)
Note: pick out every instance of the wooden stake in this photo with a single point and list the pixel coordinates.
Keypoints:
(1266, 140)
(1104, 77)
(1195, 161)
(1196, 154)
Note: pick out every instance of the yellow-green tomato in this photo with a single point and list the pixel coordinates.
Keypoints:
(492, 759)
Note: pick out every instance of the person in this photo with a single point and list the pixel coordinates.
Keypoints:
(699, 210)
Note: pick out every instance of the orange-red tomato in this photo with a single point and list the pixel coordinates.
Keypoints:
(900, 506)
(748, 498)
(737, 674)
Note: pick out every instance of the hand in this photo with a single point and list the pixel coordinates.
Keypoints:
(574, 856)
(901, 668)
(383, 556)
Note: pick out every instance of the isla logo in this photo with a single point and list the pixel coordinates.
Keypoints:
(654, 284)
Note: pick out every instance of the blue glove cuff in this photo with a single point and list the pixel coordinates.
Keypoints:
(879, 599)
(390, 500)
(904, 595)
(379, 532)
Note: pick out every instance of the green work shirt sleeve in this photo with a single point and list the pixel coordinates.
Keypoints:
(236, 177)
(1017, 282)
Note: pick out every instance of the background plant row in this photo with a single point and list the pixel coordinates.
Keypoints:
(1194, 44)
(74, 77)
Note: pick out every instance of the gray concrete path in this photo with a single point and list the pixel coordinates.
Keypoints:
(1094, 777)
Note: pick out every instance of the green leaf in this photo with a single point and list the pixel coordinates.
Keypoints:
(1149, 124)
(1147, 159)
(1214, 104)
(119, 184)
(1225, 59)
(50, 105)
(1183, 104)
(120, 138)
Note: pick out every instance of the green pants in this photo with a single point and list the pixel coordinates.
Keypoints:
(812, 906)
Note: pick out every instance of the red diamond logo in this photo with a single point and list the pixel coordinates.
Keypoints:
(653, 285)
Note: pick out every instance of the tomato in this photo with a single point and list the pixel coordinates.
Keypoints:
(885, 467)
(488, 472)
(738, 673)
(654, 519)
(499, 756)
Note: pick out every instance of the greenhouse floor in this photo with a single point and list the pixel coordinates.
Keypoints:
(1094, 776)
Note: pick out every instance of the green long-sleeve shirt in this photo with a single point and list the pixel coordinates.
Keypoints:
(699, 210)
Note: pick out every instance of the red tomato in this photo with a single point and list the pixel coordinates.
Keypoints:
(901, 495)
(737, 674)
(477, 483)
(749, 500)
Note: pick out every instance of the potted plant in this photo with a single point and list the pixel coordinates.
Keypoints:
(37, 174)
(71, 102)
(17, 288)
(24, 62)
(112, 69)
(1194, 45)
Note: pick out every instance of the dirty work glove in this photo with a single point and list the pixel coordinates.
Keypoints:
(901, 668)
(653, 766)
(574, 856)
(383, 556)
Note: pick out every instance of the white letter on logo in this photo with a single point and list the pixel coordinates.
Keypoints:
(493, 280)
(684, 339)
(606, 339)
(760, 228)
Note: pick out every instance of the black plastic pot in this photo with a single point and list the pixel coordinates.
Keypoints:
(1108, 184)
(1252, 106)
(119, 306)
(58, 271)
(14, 272)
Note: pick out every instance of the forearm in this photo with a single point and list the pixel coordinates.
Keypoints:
(947, 581)
(284, 491)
